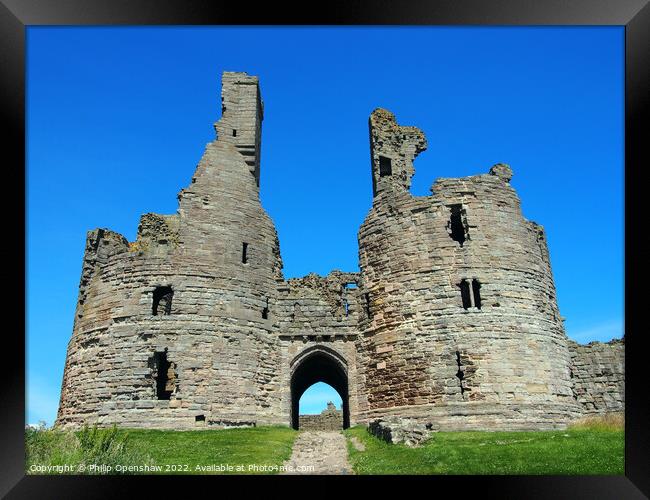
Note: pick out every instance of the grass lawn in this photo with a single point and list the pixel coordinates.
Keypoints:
(270, 446)
(595, 446)
(570, 452)
(168, 452)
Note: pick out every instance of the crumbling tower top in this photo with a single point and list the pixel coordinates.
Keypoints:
(242, 112)
(393, 149)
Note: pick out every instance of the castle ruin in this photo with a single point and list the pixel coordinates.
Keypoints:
(330, 419)
(452, 319)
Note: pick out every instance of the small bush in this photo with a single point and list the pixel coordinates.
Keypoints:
(605, 422)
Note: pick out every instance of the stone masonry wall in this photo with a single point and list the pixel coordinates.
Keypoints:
(598, 373)
(452, 320)
(329, 419)
(322, 313)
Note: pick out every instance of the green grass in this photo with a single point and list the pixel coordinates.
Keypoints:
(51, 451)
(590, 447)
(270, 446)
(168, 452)
(569, 452)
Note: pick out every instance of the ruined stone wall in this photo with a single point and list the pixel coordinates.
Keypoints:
(598, 374)
(315, 305)
(427, 352)
(329, 419)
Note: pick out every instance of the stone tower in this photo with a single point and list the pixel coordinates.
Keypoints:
(175, 328)
(462, 325)
(452, 319)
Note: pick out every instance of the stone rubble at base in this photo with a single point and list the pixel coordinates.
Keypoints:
(400, 430)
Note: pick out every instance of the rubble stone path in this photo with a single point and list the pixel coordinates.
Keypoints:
(326, 451)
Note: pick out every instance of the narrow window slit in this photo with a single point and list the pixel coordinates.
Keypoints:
(344, 297)
(234, 132)
(460, 375)
(367, 297)
(164, 375)
(265, 311)
(476, 287)
(244, 253)
(464, 293)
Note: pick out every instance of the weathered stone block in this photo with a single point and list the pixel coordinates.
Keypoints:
(400, 430)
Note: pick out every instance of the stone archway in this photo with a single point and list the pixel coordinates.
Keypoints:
(318, 364)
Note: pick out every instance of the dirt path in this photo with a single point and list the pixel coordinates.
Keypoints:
(319, 452)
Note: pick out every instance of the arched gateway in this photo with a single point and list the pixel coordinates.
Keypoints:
(318, 364)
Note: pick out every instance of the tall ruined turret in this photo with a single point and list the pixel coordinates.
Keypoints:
(462, 327)
(174, 329)
(392, 151)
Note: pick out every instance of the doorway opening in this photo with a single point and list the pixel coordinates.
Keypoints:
(319, 364)
(320, 408)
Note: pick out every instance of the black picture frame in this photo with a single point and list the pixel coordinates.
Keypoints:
(15, 15)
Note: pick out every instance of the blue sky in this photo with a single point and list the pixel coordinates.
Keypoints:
(117, 119)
